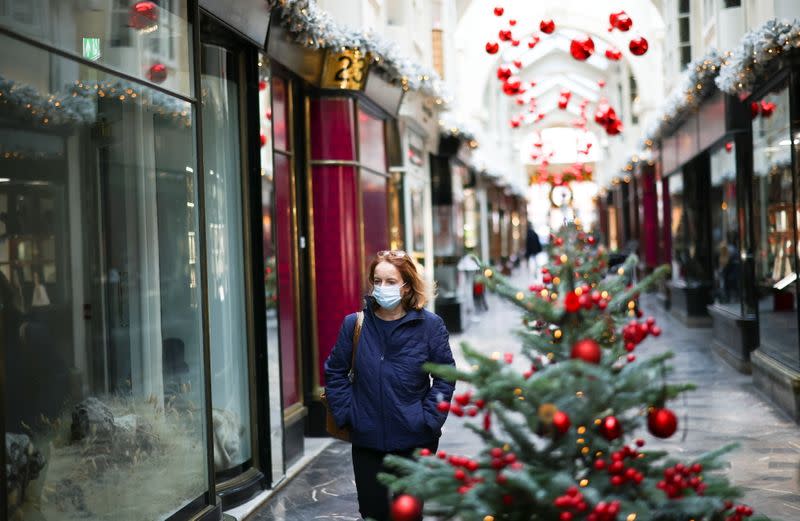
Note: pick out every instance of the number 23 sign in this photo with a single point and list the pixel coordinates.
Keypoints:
(345, 70)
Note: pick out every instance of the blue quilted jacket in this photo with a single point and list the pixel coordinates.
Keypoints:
(391, 405)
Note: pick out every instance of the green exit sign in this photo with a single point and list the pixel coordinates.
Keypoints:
(91, 48)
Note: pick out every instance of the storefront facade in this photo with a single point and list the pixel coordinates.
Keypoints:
(141, 230)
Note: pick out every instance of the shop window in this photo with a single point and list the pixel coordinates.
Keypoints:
(726, 261)
(230, 389)
(774, 225)
(101, 305)
(679, 228)
(148, 40)
(374, 184)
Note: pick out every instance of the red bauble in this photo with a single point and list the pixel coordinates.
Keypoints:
(498, 11)
(755, 108)
(547, 26)
(562, 103)
(492, 47)
(157, 73)
(767, 108)
(262, 85)
(517, 64)
(638, 46)
(587, 350)
(561, 422)
(504, 35)
(504, 72)
(581, 48)
(263, 139)
(613, 54)
(611, 428)
(572, 302)
(662, 423)
(512, 86)
(143, 16)
(515, 43)
(620, 21)
(533, 42)
(614, 127)
(601, 83)
(729, 146)
(406, 508)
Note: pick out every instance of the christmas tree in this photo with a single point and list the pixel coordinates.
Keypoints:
(564, 439)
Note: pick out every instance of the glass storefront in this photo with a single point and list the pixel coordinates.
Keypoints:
(774, 227)
(726, 261)
(99, 280)
(374, 181)
(679, 228)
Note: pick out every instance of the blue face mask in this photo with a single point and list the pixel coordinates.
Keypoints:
(388, 297)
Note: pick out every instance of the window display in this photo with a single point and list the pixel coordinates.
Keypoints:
(230, 389)
(725, 229)
(101, 304)
(775, 228)
(374, 184)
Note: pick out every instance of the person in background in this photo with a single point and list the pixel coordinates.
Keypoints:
(390, 402)
(533, 247)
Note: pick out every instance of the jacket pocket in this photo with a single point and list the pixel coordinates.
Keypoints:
(413, 417)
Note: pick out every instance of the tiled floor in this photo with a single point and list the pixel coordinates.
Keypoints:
(724, 408)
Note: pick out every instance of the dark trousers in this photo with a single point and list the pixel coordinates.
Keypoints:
(373, 496)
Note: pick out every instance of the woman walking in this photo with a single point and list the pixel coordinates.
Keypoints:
(388, 401)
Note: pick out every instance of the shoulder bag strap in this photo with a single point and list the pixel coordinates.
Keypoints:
(356, 335)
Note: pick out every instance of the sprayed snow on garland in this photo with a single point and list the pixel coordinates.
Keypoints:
(314, 28)
(756, 52)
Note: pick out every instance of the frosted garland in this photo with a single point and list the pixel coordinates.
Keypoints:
(758, 50)
(450, 124)
(314, 28)
(695, 85)
(78, 105)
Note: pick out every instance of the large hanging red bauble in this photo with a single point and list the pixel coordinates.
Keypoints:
(547, 26)
(613, 54)
(581, 48)
(610, 428)
(561, 422)
(638, 46)
(406, 508)
(503, 72)
(143, 16)
(492, 47)
(662, 423)
(620, 21)
(572, 302)
(587, 350)
(157, 73)
(498, 11)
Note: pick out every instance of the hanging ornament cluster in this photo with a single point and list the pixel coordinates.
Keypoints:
(619, 472)
(606, 117)
(620, 21)
(581, 48)
(635, 332)
(762, 108)
(681, 478)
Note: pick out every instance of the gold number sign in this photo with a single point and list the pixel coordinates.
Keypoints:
(345, 70)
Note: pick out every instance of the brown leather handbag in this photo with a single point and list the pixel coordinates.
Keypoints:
(334, 430)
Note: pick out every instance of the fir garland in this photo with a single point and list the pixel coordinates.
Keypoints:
(758, 50)
(695, 85)
(314, 28)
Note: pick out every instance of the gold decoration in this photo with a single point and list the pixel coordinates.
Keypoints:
(546, 412)
(487, 273)
(345, 70)
(584, 482)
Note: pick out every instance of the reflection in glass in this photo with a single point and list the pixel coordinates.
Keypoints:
(725, 229)
(774, 227)
(680, 224)
(270, 272)
(224, 247)
(100, 301)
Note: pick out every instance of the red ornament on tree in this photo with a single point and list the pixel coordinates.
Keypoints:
(620, 21)
(547, 26)
(561, 422)
(581, 48)
(406, 508)
(157, 73)
(638, 46)
(572, 302)
(143, 16)
(662, 423)
(587, 350)
(498, 11)
(611, 428)
(613, 54)
(492, 47)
